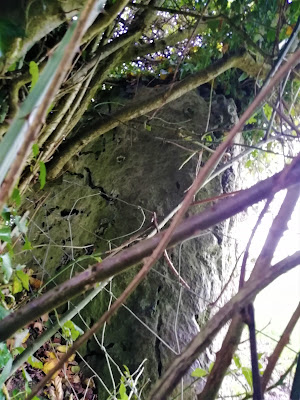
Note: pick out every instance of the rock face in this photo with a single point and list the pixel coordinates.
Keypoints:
(109, 195)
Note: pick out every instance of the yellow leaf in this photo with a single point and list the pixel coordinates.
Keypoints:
(52, 355)
(62, 348)
(26, 337)
(220, 46)
(289, 30)
(71, 358)
(49, 365)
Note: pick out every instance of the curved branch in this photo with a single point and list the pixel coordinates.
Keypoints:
(190, 228)
(167, 94)
(182, 363)
(284, 340)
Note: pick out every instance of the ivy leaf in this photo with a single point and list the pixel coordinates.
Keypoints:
(5, 234)
(5, 214)
(5, 355)
(70, 330)
(35, 363)
(6, 267)
(24, 278)
(27, 245)
(34, 72)
(17, 285)
(42, 176)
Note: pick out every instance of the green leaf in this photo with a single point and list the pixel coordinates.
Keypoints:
(27, 245)
(248, 375)
(3, 312)
(243, 77)
(251, 120)
(6, 267)
(122, 392)
(148, 127)
(237, 361)
(12, 67)
(6, 214)
(199, 373)
(34, 72)
(24, 278)
(211, 366)
(5, 355)
(35, 363)
(35, 150)
(42, 176)
(17, 285)
(6, 370)
(5, 234)
(16, 197)
(18, 350)
(248, 164)
(71, 331)
(50, 108)
(268, 111)
(75, 369)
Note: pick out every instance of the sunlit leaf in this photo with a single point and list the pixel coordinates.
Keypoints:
(24, 278)
(35, 150)
(199, 373)
(237, 361)
(49, 365)
(17, 285)
(248, 375)
(122, 392)
(34, 72)
(35, 363)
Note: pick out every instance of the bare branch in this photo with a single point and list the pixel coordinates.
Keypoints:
(191, 227)
(183, 362)
(253, 286)
(284, 340)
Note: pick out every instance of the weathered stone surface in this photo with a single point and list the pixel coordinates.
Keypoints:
(107, 196)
